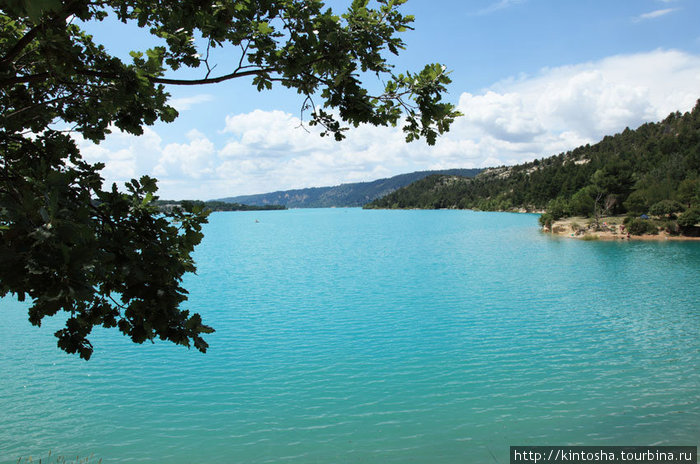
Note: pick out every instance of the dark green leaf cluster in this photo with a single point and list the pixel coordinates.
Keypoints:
(654, 169)
(104, 257)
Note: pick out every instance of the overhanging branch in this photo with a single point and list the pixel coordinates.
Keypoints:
(156, 80)
(211, 80)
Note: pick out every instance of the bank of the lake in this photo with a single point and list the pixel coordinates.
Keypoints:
(610, 228)
(346, 335)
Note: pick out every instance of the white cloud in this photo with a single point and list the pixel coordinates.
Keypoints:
(186, 103)
(654, 14)
(515, 120)
(273, 134)
(499, 5)
(502, 115)
(565, 107)
(125, 156)
(193, 160)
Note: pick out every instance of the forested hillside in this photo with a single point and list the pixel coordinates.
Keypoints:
(654, 169)
(345, 195)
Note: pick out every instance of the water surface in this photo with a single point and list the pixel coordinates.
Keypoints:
(351, 336)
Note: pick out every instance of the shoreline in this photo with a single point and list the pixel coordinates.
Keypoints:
(612, 231)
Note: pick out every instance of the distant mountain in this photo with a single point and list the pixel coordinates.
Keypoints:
(344, 195)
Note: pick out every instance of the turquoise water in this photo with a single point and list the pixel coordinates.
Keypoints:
(350, 336)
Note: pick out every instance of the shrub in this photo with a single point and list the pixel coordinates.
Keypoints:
(665, 208)
(558, 208)
(638, 226)
(546, 220)
(672, 227)
(690, 217)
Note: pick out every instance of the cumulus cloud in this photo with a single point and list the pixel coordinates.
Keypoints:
(194, 160)
(561, 108)
(512, 121)
(502, 115)
(273, 134)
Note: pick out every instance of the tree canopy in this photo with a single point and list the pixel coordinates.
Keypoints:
(110, 257)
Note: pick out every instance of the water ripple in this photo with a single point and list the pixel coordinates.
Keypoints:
(379, 337)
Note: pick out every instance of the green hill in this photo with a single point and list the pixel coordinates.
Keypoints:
(344, 195)
(652, 170)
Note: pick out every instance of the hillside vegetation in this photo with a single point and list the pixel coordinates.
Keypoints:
(345, 195)
(653, 170)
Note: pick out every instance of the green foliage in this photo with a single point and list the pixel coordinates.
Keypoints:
(432, 192)
(637, 202)
(672, 227)
(54, 70)
(689, 192)
(112, 258)
(639, 226)
(690, 217)
(104, 257)
(582, 202)
(558, 208)
(546, 220)
(665, 207)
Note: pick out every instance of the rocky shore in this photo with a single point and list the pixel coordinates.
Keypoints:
(611, 228)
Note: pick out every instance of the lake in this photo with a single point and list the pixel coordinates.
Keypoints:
(351, 336)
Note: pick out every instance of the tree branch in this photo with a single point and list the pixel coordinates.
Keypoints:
(24, 79)
(33, 32)
(20, 45)
(156, 80)
(212, 80)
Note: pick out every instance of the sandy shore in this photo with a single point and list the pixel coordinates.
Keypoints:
(613, 229)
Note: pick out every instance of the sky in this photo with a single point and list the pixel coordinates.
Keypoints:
(533, 78)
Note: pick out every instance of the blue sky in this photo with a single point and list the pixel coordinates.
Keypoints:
(533, 78)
